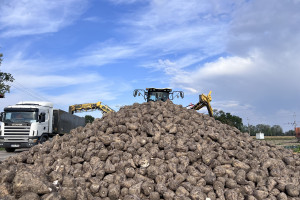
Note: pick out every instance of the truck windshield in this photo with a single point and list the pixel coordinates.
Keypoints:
(20, 117)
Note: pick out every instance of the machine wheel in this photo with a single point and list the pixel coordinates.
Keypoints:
(43, 139)
(10, 149)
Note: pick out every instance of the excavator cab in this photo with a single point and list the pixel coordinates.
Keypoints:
(157, 94)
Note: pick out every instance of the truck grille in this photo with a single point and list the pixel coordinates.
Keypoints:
(16, 133)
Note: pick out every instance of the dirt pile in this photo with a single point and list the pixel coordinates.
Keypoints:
(152, 151)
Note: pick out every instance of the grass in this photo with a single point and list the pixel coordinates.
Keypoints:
(288, 142)
(297, 150)
(278, 137)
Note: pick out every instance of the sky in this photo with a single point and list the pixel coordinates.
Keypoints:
(84, 51)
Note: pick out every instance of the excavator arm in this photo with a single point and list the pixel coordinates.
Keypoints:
(89, 107)
(204, 101)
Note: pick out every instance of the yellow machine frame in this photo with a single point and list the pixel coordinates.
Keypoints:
(89, 107)
(204, 100)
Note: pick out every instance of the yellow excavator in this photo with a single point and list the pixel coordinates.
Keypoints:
(150, 94)
(90, 107)
(163, 94)
(204, 101)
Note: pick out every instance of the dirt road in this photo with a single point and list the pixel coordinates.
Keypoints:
(4, 154)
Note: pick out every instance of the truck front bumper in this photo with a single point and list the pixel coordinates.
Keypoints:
(10, 144)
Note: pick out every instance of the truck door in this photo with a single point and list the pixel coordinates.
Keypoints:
(43, 122)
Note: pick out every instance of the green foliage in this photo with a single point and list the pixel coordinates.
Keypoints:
(4, 78)
(229, 119)
(267, 130)
(297, 150)
(89, 119)
(290, 133)
(237, 122)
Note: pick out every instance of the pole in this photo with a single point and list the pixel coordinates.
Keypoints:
(248, 126)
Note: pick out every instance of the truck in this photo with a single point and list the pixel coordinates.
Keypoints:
(29, 123)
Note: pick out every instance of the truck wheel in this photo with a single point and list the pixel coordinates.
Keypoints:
(43, 139)
(10, 149)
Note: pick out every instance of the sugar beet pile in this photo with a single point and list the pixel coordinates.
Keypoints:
(155, 150)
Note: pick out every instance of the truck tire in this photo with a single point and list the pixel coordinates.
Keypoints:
(43, 139)
(10, 149)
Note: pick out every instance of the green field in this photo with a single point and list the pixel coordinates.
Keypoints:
(290, 138)
(289, 142)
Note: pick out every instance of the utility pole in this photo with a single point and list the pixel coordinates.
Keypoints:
(248, 126)
(294, 123)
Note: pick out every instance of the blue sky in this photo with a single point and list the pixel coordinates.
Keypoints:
(79, 51)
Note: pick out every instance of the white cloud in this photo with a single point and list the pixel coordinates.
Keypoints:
(84, 93)
(126, 1)
(166, 14)
(56, 81)
(23, 17)
(225, 67)
(104, 53)
(262, 66)
(65, 90)
(195, 34)
(92, 19)
(270, 25)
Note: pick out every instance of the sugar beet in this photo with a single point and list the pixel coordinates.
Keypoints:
(155, 150)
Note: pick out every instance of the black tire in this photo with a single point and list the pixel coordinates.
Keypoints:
(10, 149)
(43, 139)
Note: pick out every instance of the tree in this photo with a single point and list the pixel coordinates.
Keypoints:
(89, 119)
(263, 128)
(4, 78)
(229, 119)
(276, 130)
(290, 133)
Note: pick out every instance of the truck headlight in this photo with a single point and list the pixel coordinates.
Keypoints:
(32, 140)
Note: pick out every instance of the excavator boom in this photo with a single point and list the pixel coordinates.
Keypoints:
(204, 100)
(89, 107)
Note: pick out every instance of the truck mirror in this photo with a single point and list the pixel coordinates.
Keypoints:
(1, 116)
(42, 117)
